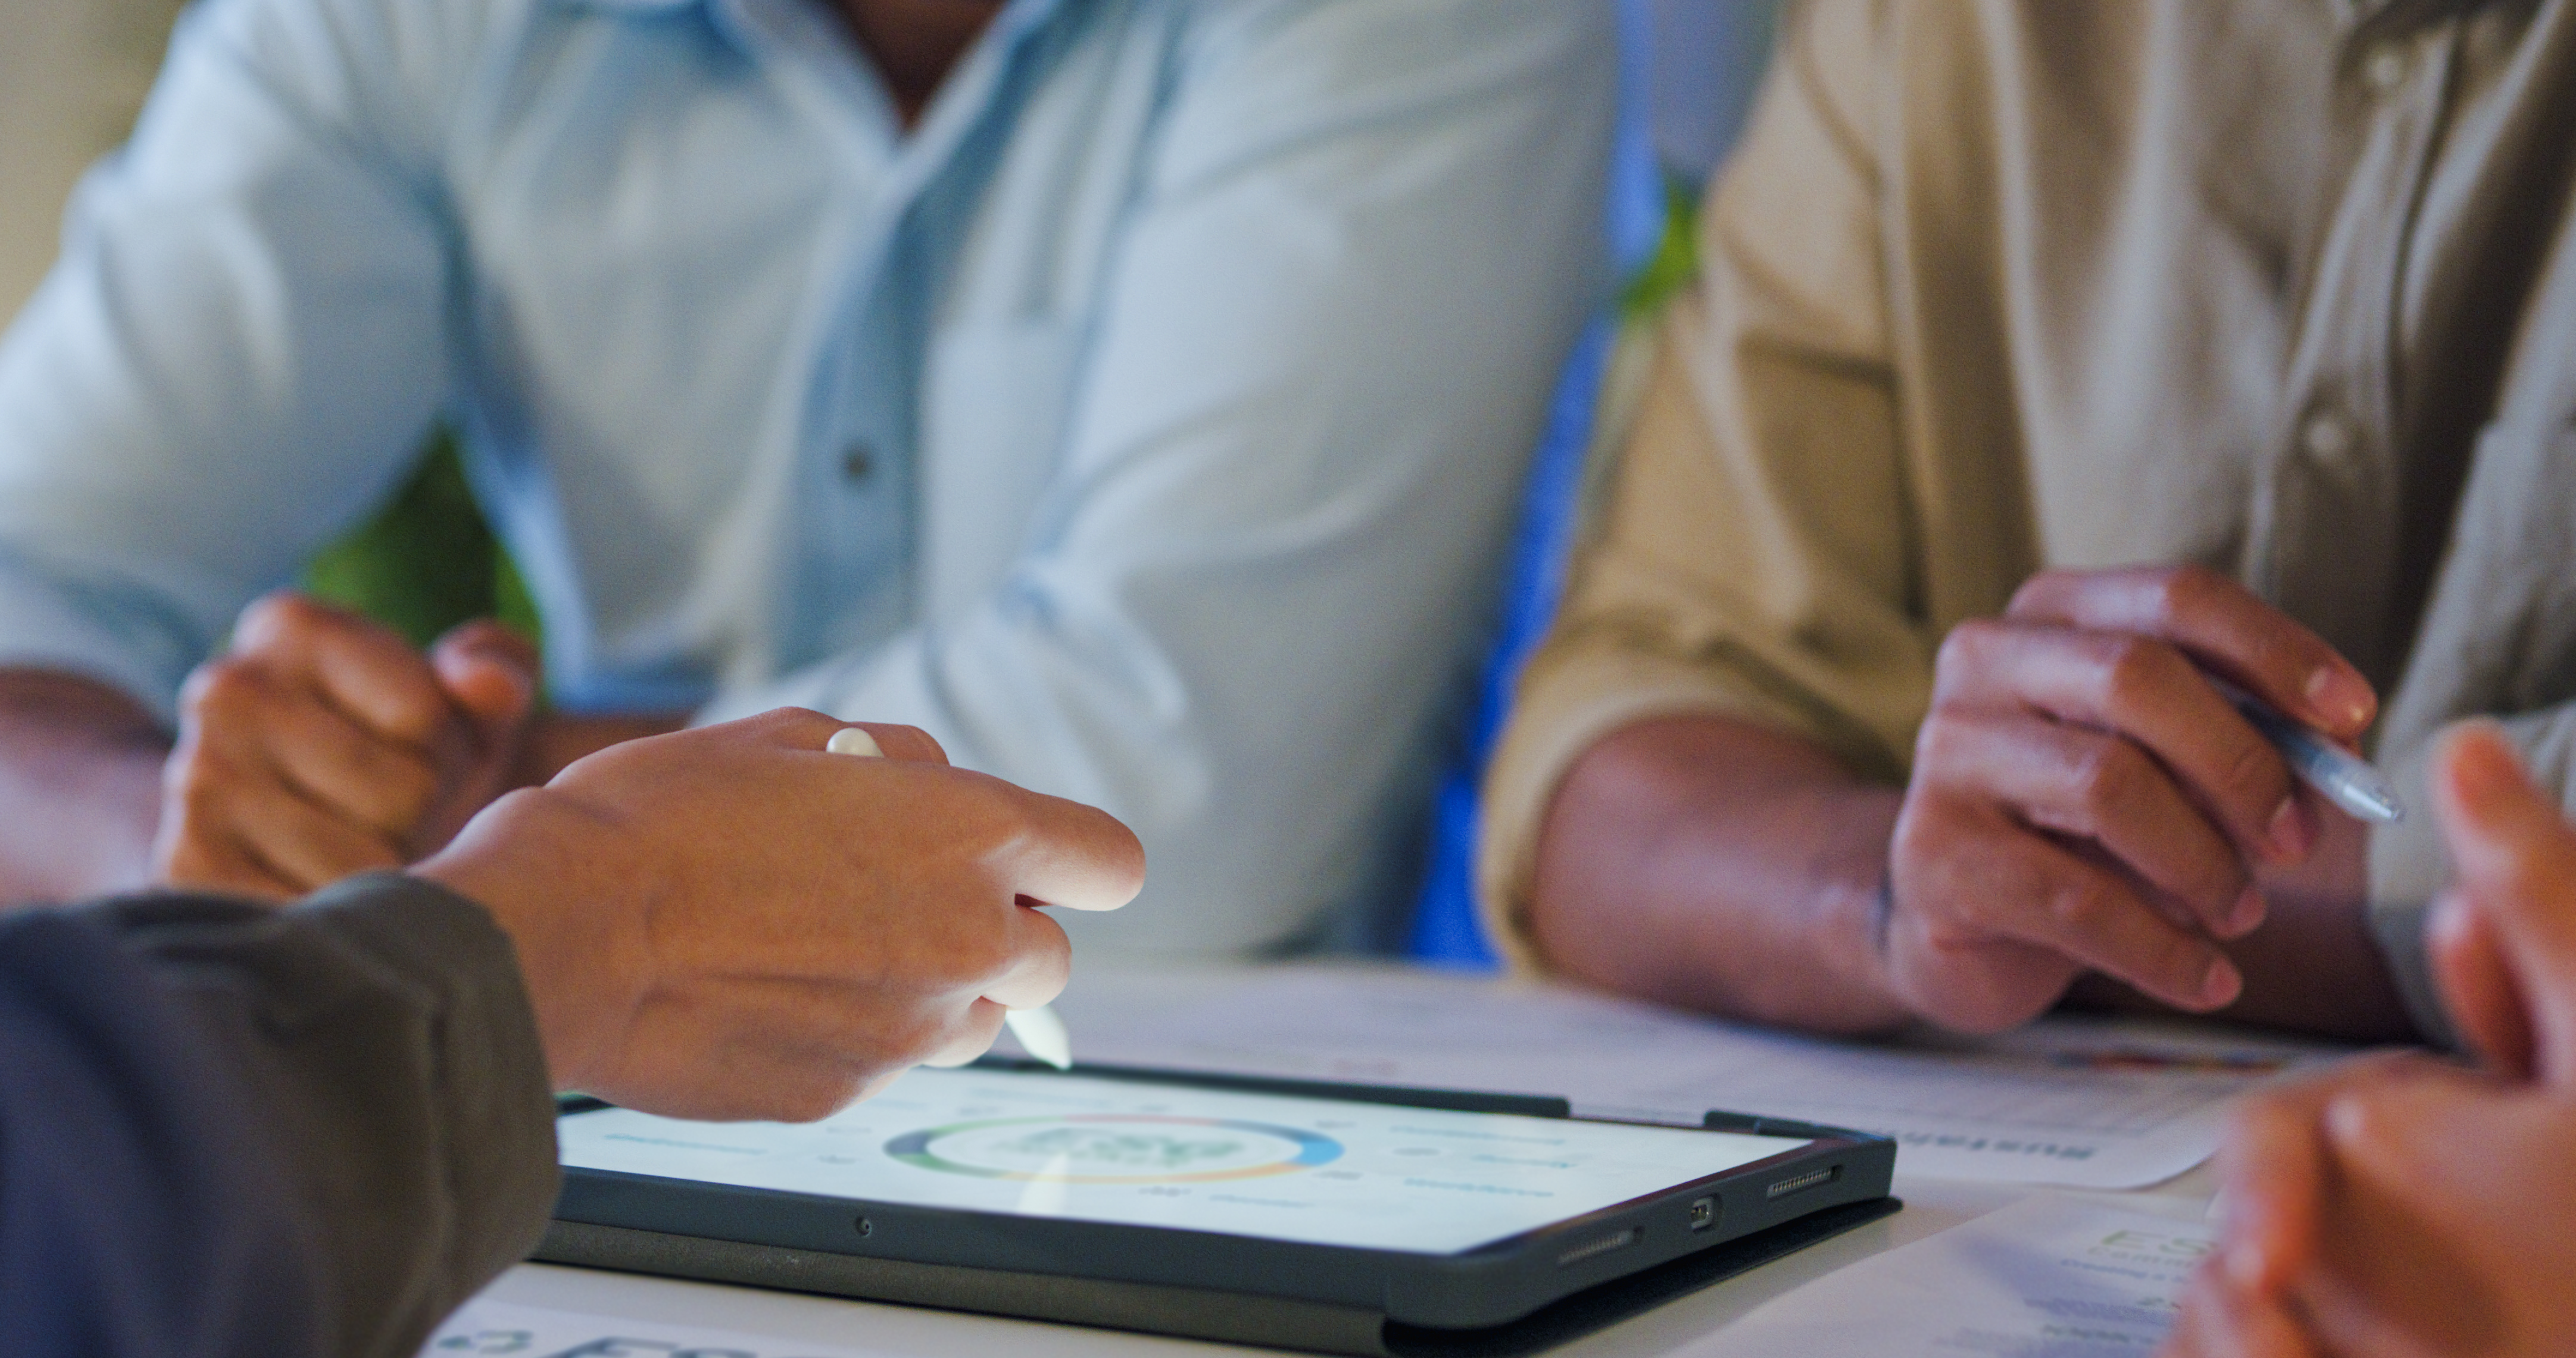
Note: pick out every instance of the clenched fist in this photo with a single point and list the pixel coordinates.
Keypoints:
(324, 745)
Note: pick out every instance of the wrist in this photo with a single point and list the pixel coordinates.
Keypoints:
(1857, 906)
(550, 873)
(80, 787)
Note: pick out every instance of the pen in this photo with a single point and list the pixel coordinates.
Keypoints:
(1041, 1033)
(2343, 779)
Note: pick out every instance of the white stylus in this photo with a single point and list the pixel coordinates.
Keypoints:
(1041, 1033)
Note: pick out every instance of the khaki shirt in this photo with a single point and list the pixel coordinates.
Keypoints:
(2282, 287)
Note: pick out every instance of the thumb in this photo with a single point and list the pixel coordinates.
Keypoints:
(489, 672)
(2516, 859)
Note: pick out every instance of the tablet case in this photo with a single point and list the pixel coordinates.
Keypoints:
(1190, 1313)
(1207, 1313)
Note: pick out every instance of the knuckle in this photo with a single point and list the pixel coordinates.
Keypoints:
(2254, 775)
(264, 616)
(229, 688)
(2186, 591)
(280, 617)
(986, 955)
(1965, 643)
(993, 815)
(201, 795)
(2043, 585)
(2110, 775)
(2078, 906)
(913, 743)
(1945, 740)
(2133, 671)
(795, 722)
(298, 610)
(1925, 856)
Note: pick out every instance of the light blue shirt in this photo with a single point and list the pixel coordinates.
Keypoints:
(1145, 424)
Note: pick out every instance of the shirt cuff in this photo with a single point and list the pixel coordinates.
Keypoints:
(2398, 929)
(499, 1140)
(48, 625)
(2408, 868)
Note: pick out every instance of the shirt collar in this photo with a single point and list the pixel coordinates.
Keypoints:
(1018, 20)
(1017, 17)
(2370, 20)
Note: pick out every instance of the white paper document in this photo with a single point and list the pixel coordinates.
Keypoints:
(2077, 1102)
(2049, 1277)
(500, 1327)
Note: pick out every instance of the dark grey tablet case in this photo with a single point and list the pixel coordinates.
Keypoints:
(1230, 1316)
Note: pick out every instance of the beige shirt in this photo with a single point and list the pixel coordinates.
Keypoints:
(2282, 287)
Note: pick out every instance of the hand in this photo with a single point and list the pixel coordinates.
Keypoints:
(2406, 1207)
(324, 745)
(2084, 800)
(730, 923)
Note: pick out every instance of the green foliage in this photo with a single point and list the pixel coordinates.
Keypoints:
(426, 561)
(1675, 262)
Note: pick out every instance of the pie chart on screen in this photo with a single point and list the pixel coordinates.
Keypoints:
(1114, 1148)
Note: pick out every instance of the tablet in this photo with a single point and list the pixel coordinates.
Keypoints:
(1295, 1215)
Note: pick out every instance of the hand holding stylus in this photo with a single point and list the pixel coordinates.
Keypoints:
(2084, 799)
(725, 924)
(1039, 1030)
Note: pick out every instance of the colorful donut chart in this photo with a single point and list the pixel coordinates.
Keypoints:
(1145, 1145)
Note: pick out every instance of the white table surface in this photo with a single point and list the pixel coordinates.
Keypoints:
(1931, 1206)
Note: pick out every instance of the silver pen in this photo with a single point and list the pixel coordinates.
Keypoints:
(2338, 775)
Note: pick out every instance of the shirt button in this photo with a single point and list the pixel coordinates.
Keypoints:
(2384, 68)
(2328, 437)
(858, 462)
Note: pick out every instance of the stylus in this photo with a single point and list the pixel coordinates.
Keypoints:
(2319, 762)
(1041, 1033)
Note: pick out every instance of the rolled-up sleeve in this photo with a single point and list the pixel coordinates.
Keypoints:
(1744, 559)
(1365, 240)
(240, 346)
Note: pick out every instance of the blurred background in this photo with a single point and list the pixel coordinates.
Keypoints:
(74, 74)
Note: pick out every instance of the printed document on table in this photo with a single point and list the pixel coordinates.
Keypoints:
(485, 1326)
(2076, 1102)
(2048, 1277)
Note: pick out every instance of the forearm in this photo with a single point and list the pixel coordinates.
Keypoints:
(1715, 864)
(80, 787)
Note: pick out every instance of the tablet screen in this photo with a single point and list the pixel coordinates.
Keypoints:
(1320, 1171)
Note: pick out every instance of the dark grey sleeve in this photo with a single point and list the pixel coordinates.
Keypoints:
(225, 1129)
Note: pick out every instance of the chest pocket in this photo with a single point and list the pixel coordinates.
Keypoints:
(998, 400)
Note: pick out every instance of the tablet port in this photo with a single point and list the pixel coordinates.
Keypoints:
(1599, 1247)
(867, 1227)
(1803, 1182)
(1703, 1213)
